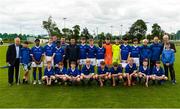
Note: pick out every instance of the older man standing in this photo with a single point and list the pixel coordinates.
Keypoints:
(13, 60)
(167, 66)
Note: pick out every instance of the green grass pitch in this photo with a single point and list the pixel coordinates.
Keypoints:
(29, 96)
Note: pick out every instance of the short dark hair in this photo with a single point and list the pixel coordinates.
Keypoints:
(158, 62)
(37, 40)
(102, 63)
(73, 62)
(115, 64)
(26, 42)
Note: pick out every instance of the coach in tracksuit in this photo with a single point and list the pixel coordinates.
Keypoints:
(73, 52)
(64, 46)
(156, 51)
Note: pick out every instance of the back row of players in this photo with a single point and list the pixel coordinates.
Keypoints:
(109, 58)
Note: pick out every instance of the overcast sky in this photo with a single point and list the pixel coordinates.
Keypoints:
(26, 16)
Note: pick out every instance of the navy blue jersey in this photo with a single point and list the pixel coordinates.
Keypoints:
(145, 52)
(158, 71)
(59, 53)
(25, 55)
(130, 69)
(91, 51)
(135, 52)
(62, 71)
(49, 50)
(37, 52)
(125, 50)
(87, 70)
(74, 72)
(83, 51)
(116, 71)
(100, 53)
(102, 71)
(156, 50)
(48, 72)
(144, 70)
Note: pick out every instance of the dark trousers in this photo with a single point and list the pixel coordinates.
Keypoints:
(11, 72)
(152, 64)
(65, 63)
(170, 68)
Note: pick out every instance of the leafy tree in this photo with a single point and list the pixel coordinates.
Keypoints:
(157, 31)
(138, 30)
(85, 33)
(76, 31)
(51, 27)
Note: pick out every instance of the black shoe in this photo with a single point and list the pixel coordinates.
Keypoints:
(24, 81)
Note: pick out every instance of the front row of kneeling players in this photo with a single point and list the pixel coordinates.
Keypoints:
(131, 76)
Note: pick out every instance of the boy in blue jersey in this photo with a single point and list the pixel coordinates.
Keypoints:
(87, 72)
(25, 60)
(73, 73)
(48, 74)
(125, 50)
(158, 73)
(91, 52)
(100, 53)
(135, 52)
(145, 52)
(58, 54)
(37, 57)
(61, 73)
(103, 73)
(168, 58)
(83, 52)
(156, 50)
(131, 72)
(49, 52)
(116, 73)
(144, 71)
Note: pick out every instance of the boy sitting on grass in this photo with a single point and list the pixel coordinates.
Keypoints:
(131, 72)
(61, 73)
(87, 72)
(103, 73)
(116, 73)
(73, 73)
(158, 73)
(48, 74)
(25, 61)
(144, 71)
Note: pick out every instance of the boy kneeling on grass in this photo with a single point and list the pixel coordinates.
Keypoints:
(158, 73)
(61, 73)
(48, 74)
(144, 71)
(73, 73)
(103, 73)
(25, 60)
(87, 72)
(116, 73)
(130, 72)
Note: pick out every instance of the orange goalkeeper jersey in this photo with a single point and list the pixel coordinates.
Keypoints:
(108, 54)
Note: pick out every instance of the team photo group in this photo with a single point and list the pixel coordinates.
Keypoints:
(84, 62)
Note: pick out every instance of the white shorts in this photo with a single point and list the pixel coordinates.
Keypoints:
(36, 65)
(123, 63)
(48, 58)
(99, 61)
(136, 61)
(82, 61)
(26, 67)
(93, 61)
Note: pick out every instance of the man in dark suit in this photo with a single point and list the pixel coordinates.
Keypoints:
(13, 60)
